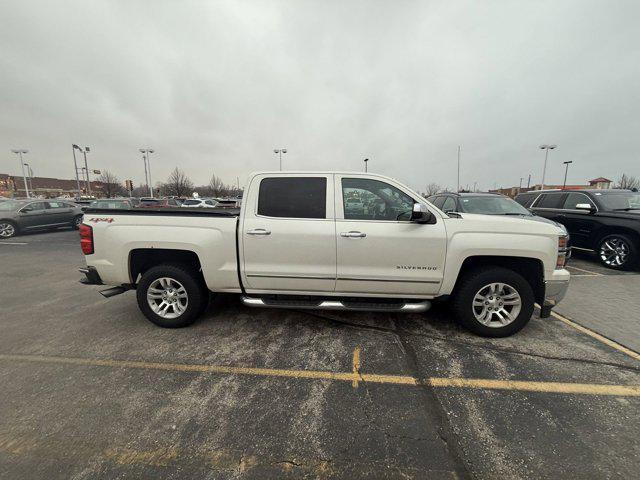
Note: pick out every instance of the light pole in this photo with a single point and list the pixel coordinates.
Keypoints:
(280, 151)
(458, 186)
(75, 147)
(520, 187)
(147, 166)
(19, 152)
(474, 186)
(566, 170)
(546, 149)
(365, 165)
(30, 176)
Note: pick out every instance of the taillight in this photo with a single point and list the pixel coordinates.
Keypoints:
(86, 239)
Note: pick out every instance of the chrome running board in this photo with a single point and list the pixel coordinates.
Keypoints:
(362, 305)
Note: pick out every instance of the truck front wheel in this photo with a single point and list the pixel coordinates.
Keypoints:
(493, 302)
(171, 296)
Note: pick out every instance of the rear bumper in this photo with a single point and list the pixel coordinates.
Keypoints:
(555, 289)
(91, 276)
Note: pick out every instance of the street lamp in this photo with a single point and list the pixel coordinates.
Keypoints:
(365, 165)
(30, 176)
(280, 151)
(566, 169)
(19, 152)
(147, 161)
(546, 149)
(75, 147)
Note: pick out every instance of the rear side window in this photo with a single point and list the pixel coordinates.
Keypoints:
(549, 200)
(526, 199)
(439, 201)
(449, 205)
(293, 197)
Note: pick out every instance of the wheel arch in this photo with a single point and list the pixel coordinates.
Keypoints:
(532, 269)
(142, 259)
(612, 230)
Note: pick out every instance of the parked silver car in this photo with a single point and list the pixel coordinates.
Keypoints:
(18, 216)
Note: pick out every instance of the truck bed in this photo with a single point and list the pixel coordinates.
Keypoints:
(180, 211)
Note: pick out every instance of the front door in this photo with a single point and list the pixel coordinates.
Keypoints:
(580, 223)
(288, 234)
(61, 213)
(379, 250)
(35, 215)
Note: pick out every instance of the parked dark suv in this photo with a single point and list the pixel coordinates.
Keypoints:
(603, 221)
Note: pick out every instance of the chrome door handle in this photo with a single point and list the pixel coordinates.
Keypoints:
(258, 231)
(353, 234)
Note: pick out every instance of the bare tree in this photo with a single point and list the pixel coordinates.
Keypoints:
(432, 189)
(627, 182)
(178, 184)
(217, 186)
(111, 184)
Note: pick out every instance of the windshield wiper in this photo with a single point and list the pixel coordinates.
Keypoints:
(514, 213)
(625, 209)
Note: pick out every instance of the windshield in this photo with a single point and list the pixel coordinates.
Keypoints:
(113, 204)
(619, 200)
(9, 205)
(492, 206)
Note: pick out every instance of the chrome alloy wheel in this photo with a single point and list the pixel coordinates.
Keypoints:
(614, 251)
(78, 221)
(496, 305)
(167, 297)
(7, 230)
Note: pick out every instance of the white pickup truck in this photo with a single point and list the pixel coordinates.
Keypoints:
(345, 241)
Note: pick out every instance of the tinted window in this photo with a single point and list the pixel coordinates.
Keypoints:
(619, 200)
(549, 200)
(439, 201)
(366, 199)
(449, 205)
(293, 197)
(526, 199)
(575, 198)
(209, 202)
(36, 206)
(191, 202)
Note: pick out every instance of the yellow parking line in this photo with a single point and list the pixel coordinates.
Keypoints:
(597, 336)
(356, 365)
(595, 274)
(465, 383)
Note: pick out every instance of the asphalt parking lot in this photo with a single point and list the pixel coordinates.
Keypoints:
(91, 389)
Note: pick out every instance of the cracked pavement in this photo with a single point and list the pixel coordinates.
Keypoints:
(101, 422)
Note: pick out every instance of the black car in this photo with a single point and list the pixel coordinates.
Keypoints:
(603, 221)
(485, 204)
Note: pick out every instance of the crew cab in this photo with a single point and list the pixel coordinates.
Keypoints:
(295, 244)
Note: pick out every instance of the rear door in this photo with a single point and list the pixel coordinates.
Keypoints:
(60, 212)
(549, 205)
(288, 234)
(379, 250)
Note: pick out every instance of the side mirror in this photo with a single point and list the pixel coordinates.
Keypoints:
(421, 214)
(585, 206)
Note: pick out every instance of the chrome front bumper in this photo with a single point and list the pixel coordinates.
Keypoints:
(554, 291)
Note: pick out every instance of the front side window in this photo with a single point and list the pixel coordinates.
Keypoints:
(449, 205)
(574, 199)
(293, 197)
(34, 206)
(624, 200)
(366, 199)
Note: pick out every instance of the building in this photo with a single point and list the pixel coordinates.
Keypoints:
(597, 183)
(46, 187)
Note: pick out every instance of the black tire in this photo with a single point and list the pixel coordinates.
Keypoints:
(77, 220)
(196, 292)
(8, 229)
(472, 284)
(610, 259)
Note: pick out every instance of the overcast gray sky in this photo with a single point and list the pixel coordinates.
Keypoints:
(214, 86)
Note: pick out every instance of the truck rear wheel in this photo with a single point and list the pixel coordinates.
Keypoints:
(171, 295)
(493, 302)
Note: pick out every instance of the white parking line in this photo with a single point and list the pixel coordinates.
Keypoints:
(594, 274)
(14, 243)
